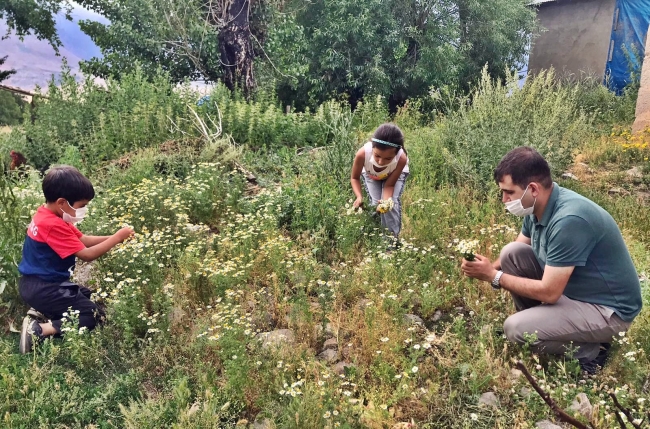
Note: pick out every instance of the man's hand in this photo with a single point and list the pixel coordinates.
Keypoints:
(481, 268)
(125, 233)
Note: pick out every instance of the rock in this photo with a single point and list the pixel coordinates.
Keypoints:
(436, 316)
(489, 399)
(194, 408)
(276, 338)
(364, 303)
(571, 176)
(332, 343)
(617, 191)
(345, 352)
(339, 368)
(176, 315)
(328, 355)
(582, 405)
(83, 273)
(412, 319)
(643, 196)
(525, 392)
(318, 331)
(330, 331)
(547, 424)
(515, 374)
(635, 172)
(260, 423)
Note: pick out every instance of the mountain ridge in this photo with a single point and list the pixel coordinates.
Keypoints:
(36, 62)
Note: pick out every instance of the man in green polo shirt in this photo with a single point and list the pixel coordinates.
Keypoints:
(570, 275)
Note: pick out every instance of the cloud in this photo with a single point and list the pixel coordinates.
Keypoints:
(35, 60)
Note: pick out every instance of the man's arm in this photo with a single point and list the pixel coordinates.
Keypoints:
(92, 240)
(520, 238)
(549, 289)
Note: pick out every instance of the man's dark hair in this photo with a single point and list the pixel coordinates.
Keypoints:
(524, 165)
(67, 182)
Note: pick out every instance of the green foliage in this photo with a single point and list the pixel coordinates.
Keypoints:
(18, 200)
(11, 108)
(152, 35)
(216, 261)
(397, 49)
(4, 74)
(37, 17)
(324, 50)
(542, 114)
(103, 123)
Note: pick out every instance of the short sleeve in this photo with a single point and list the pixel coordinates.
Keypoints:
(525, 227)
(570, 242)
(64, 239)
(78, 233)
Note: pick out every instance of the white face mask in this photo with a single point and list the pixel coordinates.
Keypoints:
(516, 208)
(375, 164)
(79, 215)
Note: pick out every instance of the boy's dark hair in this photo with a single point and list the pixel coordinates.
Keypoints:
(524, 165)
(67, 182)
(391, 133)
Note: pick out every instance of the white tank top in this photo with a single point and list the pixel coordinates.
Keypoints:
(369, 169)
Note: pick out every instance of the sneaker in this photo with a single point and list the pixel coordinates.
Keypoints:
(31, 329)
(37, 315)
(592, 366)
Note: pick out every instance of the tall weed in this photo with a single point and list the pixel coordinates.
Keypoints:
(542, 114)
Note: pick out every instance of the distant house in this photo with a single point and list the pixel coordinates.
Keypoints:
(599, 37)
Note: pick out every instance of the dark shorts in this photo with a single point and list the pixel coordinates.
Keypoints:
(54, 299)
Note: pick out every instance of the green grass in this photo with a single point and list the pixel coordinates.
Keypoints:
(215, 262)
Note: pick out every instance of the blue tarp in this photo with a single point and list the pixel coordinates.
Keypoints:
(629, 29)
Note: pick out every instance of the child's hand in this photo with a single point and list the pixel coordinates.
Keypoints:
(357, 203)
(125, 233)
(385, 206)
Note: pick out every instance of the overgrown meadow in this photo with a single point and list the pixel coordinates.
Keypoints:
(269, 301)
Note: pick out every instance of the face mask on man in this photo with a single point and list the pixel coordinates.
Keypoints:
(79, 215)
(516, 207)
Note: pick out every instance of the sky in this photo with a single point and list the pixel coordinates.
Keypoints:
(35, 60)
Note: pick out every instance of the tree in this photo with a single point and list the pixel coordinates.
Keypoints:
(4, 74)
(395, 48)
(25, 17)
(195, 39)
(11, 108)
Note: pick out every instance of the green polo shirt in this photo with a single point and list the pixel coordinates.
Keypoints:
(576, 232)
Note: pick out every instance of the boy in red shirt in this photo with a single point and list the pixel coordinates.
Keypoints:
(51, 247)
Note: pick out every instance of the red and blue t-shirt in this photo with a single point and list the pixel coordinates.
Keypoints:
(49, 248)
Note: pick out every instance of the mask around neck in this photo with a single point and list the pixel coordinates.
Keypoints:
(376, 165)
(516, 208)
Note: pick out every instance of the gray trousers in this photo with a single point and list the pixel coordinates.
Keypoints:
(566, 324)
(374, 188)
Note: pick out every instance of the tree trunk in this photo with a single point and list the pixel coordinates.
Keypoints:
(235, 46)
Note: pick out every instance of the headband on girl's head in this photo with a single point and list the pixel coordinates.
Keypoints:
(386, 143)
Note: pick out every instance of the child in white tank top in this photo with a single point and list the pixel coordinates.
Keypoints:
(383, 164)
